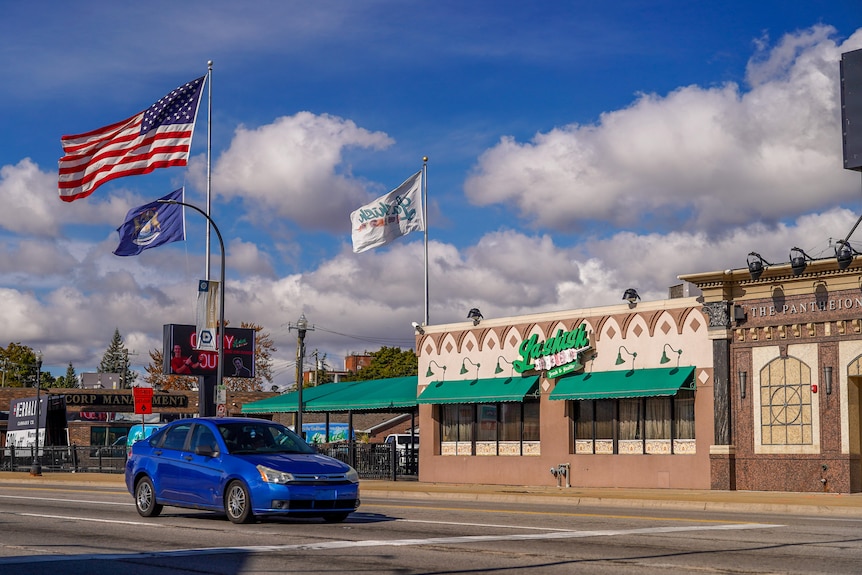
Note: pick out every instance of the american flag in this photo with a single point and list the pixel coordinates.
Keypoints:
(158, 137)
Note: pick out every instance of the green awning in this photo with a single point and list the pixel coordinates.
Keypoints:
(489, 390)
(619, 384)
(378, 394)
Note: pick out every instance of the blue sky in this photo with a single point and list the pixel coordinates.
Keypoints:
(575, 149)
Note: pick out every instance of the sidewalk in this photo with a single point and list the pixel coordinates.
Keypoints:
(823, 504)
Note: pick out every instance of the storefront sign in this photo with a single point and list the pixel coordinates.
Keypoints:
(124, 401)
(563, 349)
(836, 304)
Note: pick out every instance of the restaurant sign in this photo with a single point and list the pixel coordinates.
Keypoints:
(558, 355)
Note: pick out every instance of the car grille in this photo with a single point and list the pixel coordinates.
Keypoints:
(315, 505)
(320, 479)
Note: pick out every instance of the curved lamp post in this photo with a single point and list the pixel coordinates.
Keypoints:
(221, 326)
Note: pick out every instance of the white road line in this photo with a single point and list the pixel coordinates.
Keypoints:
(326, 545)
(481, 525)
(64, 500)
(89, 519)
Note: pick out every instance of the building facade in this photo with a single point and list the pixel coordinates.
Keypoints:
(791, 340)
(612, 396)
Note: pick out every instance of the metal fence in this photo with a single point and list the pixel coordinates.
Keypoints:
(371, 460)
(375, 460)
(71, 459)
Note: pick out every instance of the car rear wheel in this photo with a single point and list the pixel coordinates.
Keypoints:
(145, 498)
(237, 503)
(335, 517)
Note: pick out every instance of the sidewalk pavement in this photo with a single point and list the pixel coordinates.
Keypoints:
(822, 504)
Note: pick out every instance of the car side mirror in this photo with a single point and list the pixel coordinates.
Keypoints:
(206, 450)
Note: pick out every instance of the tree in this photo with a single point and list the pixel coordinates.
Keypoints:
(18, 365)
(68, 380)
(387, 362)
(116, 360)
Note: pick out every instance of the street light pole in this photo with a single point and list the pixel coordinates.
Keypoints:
(220, 332)
(36, 467)
(301, 327)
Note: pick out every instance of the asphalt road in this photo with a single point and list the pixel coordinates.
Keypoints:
(94, 530)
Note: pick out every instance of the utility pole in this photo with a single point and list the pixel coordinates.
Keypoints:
(301, 327)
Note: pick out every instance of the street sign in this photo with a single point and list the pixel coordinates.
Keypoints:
(143, 400)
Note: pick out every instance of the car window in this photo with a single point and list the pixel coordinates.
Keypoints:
(264, 437)
(203, 437)
(175, 437)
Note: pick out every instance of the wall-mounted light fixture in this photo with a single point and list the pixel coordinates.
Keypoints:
(631, 296)
(799, 260)
(756, 265)
(844, 253)
(498, 369)
(464, 366)
(418, 328)
(827, 378)
(743, 379)
(665, 358)
(620, 359)
(430, 373)
(475, 315)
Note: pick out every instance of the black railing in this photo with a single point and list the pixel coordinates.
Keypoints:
(371, 460)
(71, 459)
(375, 460)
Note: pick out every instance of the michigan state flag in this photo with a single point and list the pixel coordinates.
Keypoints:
(152, 225)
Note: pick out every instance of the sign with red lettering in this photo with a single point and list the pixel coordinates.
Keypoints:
(143, 400)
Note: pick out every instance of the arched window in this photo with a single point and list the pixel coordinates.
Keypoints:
(785, 403)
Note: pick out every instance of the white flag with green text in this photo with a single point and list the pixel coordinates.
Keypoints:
(389, 217)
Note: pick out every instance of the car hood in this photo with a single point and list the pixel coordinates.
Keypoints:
(297, 462)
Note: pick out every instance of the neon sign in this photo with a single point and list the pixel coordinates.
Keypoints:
(559, 354)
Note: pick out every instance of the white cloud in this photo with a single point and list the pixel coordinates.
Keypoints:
(290, 169)
(698, 158)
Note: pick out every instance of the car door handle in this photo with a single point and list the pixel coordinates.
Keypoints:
(159, 452)
(187, 457)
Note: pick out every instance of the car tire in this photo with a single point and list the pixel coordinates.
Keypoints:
(335, 517)
(237, 503)
(145, 498)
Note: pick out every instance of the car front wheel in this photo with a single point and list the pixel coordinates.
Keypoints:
(237, 503)
(145, 498)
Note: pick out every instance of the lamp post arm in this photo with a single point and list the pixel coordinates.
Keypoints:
(221, 327)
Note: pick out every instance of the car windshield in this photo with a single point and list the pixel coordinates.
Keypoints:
(247, 438)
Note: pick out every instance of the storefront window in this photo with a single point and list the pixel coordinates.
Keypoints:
(633, 425)
(785, 398)
(683, 406)
(487, 429)
(510, 422)
(495, 424)
(531, 421)
(658, 417)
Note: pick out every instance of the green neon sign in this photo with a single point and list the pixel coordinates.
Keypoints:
(561, 349)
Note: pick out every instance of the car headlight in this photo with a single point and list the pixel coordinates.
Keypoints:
(270, 475)
(352, 476)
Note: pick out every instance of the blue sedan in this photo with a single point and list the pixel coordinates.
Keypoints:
(245, 467)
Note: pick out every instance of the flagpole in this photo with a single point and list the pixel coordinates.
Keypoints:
(209, 156)
(425, 225)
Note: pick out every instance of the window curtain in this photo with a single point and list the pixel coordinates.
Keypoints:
(630, 420)
(684, 414)
(583, 416)
(658, 417)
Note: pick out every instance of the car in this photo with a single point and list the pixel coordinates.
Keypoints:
(139, 432)
(116, 449)
(244, 467)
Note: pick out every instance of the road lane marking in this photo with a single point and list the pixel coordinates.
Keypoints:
(62, 500)
(88, 519)
(328, 545)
